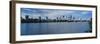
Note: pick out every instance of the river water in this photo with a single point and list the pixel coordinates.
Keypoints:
(54, 28)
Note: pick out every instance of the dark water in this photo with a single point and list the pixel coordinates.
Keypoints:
(54, 28)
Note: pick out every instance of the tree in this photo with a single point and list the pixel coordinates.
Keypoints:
(39, 17)
(46, 17)
(27, 17)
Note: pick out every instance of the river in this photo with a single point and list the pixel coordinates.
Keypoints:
(54, 28)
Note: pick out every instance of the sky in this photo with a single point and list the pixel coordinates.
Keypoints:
(53, 13)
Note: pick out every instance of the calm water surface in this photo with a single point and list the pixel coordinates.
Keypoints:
(54, 28)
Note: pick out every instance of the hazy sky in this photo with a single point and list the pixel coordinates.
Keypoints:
(53, 13)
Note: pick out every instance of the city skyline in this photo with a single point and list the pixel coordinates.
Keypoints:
(53, 13)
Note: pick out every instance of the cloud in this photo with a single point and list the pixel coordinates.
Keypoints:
(53, 13)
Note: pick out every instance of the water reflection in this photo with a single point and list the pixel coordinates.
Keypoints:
(54, 28)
